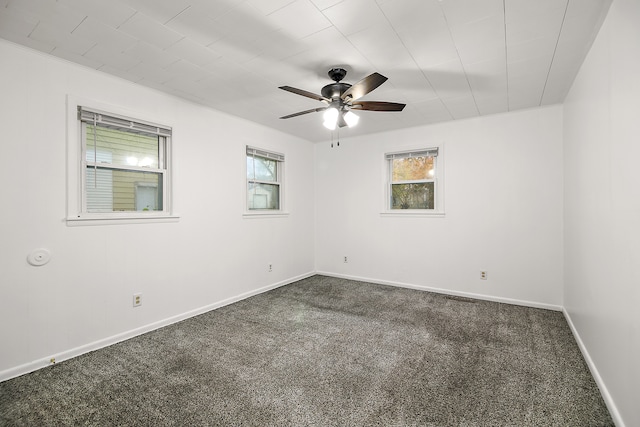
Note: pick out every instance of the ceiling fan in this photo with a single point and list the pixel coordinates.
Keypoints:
(341, 98)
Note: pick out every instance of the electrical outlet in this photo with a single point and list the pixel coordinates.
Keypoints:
(137, 300)
(483, 275)
(270, 268)
(346, 260)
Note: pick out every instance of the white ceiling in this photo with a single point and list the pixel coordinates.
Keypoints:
(446, 59)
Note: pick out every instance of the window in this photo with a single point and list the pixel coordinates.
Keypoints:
(413, 181)
(125, 166)
(264, 180)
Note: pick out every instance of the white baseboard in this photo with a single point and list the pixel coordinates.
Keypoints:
(74, 352)
(606, 396)
(532, 304)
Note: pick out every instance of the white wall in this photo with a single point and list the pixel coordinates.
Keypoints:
(602, 208)
(503, 202)
(210, 255)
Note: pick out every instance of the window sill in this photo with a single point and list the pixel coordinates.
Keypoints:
(412, 213)
(97, 220)
(276, 214)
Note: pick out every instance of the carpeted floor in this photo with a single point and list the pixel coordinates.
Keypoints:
(326, 352)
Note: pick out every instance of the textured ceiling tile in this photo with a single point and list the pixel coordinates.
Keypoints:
(589, 10)
(413, 14)
(187, 70)
(433, 110)
(489, 67)
(559, 82)
(381, 46)
(182, 84)
(26, 41)
(144, 28)
(530, 68)
(192, 52)
(491, 104)
(196, 26)
(78, 59)
(277, 45)
(120, 73)
(519, 12)
(535, 48)
(448, 80)
(159, 10)
(525, 93)
(324, 56)
(468, 11)
(111, 57)
(410, 84)
(48, 33)
(353, 16)
(33, 9)
(112, 13)
(324, 4)
(462, 107)
(235, 51)
(429, 47)
(16, 23)
(488, 84)
(215, 9)
(150, 72)
(277, 72)
(151, 55)
(489, 29)
(299, 19)
(96, 31)
(244, 22)
(470, 54)
(269, 6)
(64, 19)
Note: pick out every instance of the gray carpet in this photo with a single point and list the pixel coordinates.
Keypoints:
(326, 352)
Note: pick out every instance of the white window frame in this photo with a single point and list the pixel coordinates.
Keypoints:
(77, 163)
(438, 180)
(280, 182)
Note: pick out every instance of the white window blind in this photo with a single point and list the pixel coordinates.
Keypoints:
(112, 121)
(256, 152)
(431, 152)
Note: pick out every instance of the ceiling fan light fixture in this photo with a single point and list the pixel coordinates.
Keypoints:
(330, 117)
(351, 118)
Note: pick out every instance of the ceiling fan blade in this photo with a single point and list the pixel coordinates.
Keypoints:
(304, 93)
(313, 110)
(378, 106)
(364, 86)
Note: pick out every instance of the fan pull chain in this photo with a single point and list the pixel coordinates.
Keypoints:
(338, 142)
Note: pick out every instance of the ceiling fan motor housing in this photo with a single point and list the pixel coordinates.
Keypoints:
(334, 90)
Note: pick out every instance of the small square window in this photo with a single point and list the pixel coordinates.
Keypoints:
(413, 181)
(264, 180)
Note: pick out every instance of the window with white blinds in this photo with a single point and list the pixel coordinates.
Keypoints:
(264, 180)
(125, 165)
